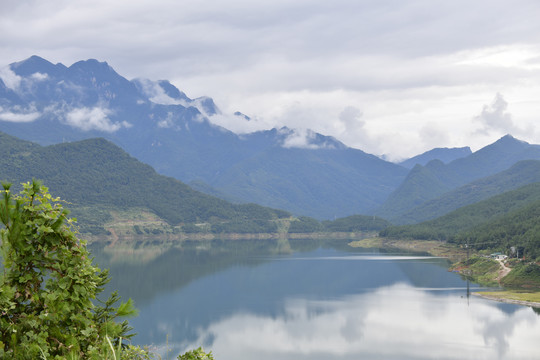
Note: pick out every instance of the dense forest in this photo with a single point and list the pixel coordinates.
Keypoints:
(95, 173)
(97, 178)
(501, 222)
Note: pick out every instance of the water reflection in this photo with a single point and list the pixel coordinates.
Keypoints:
(394, 322)
(313, 299)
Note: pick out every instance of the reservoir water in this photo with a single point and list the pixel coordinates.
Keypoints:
(311, 299)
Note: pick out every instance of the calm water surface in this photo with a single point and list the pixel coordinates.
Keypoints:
(312, 300)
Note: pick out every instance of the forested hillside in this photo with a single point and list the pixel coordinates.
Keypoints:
(97, 179)
(98, 174)
(522, 173)
(429, 182)
(505, 220)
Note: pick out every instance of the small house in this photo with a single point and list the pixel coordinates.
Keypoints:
(499, 256)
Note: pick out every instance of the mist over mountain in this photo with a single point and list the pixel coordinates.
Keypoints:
(298, 170)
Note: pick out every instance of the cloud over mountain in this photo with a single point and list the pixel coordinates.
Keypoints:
(495, 117)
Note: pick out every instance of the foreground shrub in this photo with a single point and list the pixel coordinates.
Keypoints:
(48, 294)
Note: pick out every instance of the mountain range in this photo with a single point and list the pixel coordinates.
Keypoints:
(159, 125)
(98, 178)
(303, 172)
(436, 179)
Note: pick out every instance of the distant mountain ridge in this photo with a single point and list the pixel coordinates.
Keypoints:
(445, 155)
(161, 126)
(505, 220)
(300, 171)
(520, 174)
(96, 173)
(429, 182)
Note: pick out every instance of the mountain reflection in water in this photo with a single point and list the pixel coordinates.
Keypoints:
(243, 301)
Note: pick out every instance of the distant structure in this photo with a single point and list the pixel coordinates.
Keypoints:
(498, 256)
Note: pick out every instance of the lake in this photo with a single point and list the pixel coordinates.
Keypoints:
(311, 299)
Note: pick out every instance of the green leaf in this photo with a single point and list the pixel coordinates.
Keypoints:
(127, 309)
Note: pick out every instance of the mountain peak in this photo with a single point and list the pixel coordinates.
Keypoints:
(507, 143)
(445, 155)
(35, 64)
(510, 139)
(92, 65)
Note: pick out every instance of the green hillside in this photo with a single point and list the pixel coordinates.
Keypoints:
(519, 229)
(97, 174)
(421, 185)
(431, 181)
(522, 173)
(509, 219)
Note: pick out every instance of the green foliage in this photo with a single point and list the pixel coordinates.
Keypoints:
(305, 225)
(501, 222)
(523, 275)
(49, 283)
(96, 176)
(500, 159)
(480, 269)
(197, 354)
(422, 184)
(356, 223)
(519, 229)
(521, 174)
(245, 227)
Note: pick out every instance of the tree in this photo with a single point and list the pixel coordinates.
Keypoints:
(49, 290)
(197, 354)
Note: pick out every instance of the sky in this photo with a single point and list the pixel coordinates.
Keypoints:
(392, 78)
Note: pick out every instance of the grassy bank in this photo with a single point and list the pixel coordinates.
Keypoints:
(432, 247)
(521, 281)
(481, 270)
(513, 297)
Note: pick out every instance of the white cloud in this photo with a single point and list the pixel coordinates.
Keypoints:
(236, 124)
(168, 122)
(95, 118)
(10, 79)
(432, 134)
(20, 115)
(494, 117)
(365, 326)
(351, 118)
(303, 139)
(407, 65)
(39, 76)
(156, 93)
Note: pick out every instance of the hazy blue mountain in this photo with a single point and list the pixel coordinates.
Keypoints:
(522, 173)
(161, 126)
(297, 180)
(96, 173)
(474, 215)
(445, 155)
(425, 183)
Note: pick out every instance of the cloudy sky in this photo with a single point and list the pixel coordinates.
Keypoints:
(386, 76)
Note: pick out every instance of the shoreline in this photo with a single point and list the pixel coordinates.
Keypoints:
(490, 296)
(123, 238)
(454, 254)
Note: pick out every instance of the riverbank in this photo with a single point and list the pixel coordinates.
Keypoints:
(512, 297)
(431, 247)
(482, 270)
(118, 237)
